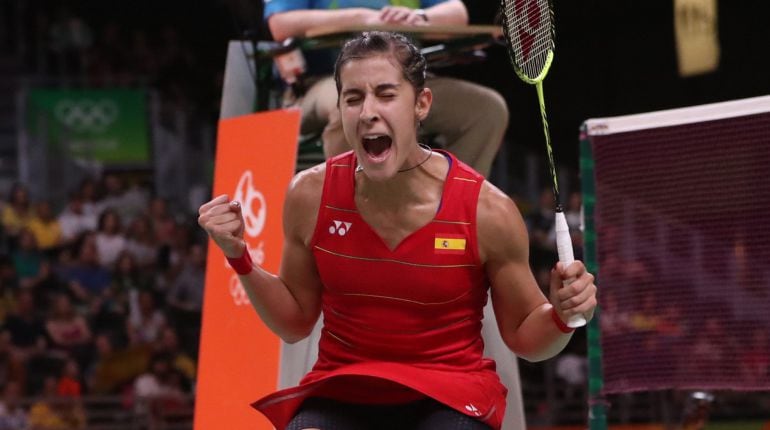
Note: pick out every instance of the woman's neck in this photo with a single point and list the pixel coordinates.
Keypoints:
(420, 184)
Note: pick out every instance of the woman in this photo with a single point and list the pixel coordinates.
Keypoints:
(397, 244)
(110, 241)
(16, 214)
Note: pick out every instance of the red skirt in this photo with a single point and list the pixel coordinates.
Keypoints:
(477, 393)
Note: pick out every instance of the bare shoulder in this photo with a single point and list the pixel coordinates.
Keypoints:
(303, 198)
(501, 229)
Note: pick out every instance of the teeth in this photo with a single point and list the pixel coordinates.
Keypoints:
(374, 137)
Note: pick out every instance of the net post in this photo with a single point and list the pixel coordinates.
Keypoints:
(597, 403)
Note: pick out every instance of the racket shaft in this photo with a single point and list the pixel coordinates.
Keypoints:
(566, 257)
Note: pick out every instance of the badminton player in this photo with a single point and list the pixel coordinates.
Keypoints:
(396, 244)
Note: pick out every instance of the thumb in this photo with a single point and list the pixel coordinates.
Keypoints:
(556, 282)
(235, 206)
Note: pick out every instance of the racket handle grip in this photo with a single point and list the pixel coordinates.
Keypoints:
(566, 257)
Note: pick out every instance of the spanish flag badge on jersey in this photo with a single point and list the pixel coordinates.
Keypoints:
(449, 244)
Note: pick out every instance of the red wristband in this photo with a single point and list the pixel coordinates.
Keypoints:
(564, 328)
(242, 265)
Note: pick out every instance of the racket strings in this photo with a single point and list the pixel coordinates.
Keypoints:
(540, 38)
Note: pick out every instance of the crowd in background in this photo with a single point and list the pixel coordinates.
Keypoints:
(103, 297)
(95, 45)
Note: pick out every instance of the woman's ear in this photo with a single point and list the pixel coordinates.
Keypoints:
(423, 103)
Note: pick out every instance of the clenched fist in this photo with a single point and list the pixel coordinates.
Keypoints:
(223, 221)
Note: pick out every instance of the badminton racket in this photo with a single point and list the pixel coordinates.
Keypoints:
(528, 26)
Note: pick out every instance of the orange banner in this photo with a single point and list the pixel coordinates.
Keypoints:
(239, 355)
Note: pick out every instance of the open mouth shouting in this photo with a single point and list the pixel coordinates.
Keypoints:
(377, 146)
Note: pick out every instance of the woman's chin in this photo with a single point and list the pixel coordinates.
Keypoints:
(378, 166)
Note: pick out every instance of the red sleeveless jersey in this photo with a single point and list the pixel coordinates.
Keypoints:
(399, 324)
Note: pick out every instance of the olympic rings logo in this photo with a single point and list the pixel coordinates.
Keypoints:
(86, 116)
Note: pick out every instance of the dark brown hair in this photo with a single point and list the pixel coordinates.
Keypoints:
(371, 43)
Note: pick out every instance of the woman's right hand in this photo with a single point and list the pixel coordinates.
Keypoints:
(223, 221)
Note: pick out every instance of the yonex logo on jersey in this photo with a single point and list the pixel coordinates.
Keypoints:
(473, 409)
(449, 244)
(340, 227)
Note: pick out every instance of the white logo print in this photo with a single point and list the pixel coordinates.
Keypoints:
(472, 409)
(237, 291)
(340, 227)
(251, 200)
(246, 194)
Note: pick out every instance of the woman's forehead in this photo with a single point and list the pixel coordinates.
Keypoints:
(371, 68)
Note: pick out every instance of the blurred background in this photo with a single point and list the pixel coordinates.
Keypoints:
(102, 261)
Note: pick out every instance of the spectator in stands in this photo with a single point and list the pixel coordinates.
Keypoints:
(10, 366)
(75, 220)
(173, 256)
(471, 118)
(46, 285)
(141, 242)
(8, 273)
(27, 258)
(90, 195)
(26, 327)
(85, 277)
(542, 237)
(110, 241)
(114, 192)
(69, 383)
(127, 279)
(12, 413)
(68, 331)
(540, 220)
(7, 301)
(185, 296)
(113, 367)
(163, 224)
(54, 412)
(145, 322)
(45, 228)
(180, 360)
(186, 291)
(156, 388)
(16, 214)
(96, 374)
(29, 344)
(134, 201)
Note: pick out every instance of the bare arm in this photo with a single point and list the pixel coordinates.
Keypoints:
(448, 13)
(295, 23)
(288, 303)
(523, 313)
